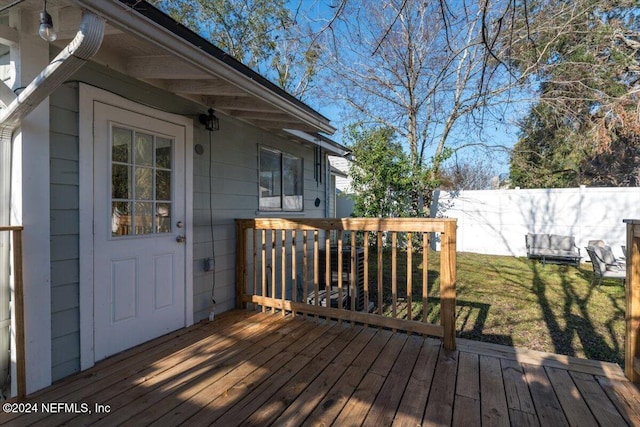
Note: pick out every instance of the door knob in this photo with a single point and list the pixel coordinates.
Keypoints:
(180, 238)
(179, 224)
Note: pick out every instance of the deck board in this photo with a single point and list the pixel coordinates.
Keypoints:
(250, 368)
(544, 398)
(466, 409)
(439, 409)
(572, 402)
(596, 398)
(414, 400)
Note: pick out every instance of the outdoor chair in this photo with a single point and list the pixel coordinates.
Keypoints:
(603, 269)
(607, 253)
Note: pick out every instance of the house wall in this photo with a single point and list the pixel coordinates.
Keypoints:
(235, 195)
(496, 221)
(64, 184)
(234, 190)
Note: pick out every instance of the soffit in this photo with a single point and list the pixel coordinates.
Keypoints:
(176, 65)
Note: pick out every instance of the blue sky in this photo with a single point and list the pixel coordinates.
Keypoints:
(502, 133)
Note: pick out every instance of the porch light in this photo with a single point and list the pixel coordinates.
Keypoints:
(46, 25)
(210, 121)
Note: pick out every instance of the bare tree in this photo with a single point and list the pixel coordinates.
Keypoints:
(404, 65)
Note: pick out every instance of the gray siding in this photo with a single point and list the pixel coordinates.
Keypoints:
(234, 191)
(234, 194)
(65, 306)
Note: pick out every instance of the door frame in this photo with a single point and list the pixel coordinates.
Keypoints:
(87, 96)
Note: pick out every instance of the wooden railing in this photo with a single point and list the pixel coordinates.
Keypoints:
(18, 307)
(632, 316)
(283, 265)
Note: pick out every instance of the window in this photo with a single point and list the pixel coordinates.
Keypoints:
(280, 181)
(141, 169)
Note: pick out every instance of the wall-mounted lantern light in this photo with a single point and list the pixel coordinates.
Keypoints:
(210, 121)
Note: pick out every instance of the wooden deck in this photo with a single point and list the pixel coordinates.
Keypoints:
(256, 369)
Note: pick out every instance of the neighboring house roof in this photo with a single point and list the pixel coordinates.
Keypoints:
(144, 43)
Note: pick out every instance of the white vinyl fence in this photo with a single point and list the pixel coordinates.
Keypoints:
(496, 221)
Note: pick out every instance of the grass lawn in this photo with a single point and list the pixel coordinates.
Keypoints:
(522, 303)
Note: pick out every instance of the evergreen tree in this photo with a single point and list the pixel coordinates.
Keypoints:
(380, 173)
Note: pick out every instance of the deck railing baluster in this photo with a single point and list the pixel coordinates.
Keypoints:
(283, 268)
(365, 245)
(352, 274)
(264, 268)
(316, 275)
(340, 266)
(409, 276)
(305, 267)
(394, 274)
(294, 279)
(425, 277)
(354, 267)
(380, 277)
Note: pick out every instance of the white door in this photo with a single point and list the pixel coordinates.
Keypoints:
(139, 215)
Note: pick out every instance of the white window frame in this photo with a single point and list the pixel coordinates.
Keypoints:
(296, 202)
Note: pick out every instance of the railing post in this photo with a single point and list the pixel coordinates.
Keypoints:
(18, 291)
(241, 263)
(448, 285)
(632, 316)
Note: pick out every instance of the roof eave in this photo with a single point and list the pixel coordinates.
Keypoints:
(144, 21)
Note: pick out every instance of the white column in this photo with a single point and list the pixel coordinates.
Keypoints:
(30, 208)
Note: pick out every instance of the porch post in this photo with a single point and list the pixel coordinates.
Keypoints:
(30, 204)
(448, 284)
(632, 290)
(241, 262)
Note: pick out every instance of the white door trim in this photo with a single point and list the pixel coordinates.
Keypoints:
(88, 95)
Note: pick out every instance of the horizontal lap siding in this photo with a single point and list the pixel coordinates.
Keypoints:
(65, 306)
(234, 193)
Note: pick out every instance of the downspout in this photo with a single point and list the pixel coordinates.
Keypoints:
(83, 46)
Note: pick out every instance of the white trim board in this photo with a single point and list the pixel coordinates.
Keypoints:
(88, 95)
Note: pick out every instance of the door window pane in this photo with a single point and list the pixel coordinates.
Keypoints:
(121, 219)
(163, 153)
(141, 185)
(163, 218)
(121, 147)
(143, 218)
(144, 183)
(163, 185)
(144, 149)
(120, 181)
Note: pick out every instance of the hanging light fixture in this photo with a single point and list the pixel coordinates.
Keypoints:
(210, 121)
(46, 25)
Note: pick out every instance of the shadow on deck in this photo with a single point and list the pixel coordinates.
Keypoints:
(249, 368)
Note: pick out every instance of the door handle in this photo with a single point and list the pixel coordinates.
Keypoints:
(181, 238)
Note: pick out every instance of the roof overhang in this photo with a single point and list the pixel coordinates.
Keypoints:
(321, 141)
(146, 44)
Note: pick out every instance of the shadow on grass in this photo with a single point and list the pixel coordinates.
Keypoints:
(575, 318)
(516, 301)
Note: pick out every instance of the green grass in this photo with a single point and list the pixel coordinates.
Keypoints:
(522, 303)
